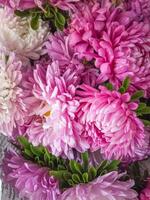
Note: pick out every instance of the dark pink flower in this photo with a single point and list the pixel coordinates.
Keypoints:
(111, 124)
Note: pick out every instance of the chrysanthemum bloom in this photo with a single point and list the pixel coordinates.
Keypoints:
(145, 194)
(53, 121)
(119, 44)
(12, 108)
(59, 49)
(105, 187)
(17, 35)
(111, 124)
(29, 180)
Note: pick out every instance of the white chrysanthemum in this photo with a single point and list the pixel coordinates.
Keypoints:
(12, 108)
(17, 35)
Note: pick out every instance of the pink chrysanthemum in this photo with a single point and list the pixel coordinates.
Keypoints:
(28, 179)
(111, 124)
(53, 122)
(12, 107)
(145, 194)
(59, 49)
(105, 187)
(119, 44)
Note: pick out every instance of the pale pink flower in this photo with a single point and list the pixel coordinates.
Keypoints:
(28, 179)
(12, 107)
(111, 124)
(105, 187)
(52, 121)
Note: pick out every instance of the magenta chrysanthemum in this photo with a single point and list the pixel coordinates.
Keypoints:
(105, 187)
(53, 121)
(12, 107)
(119, 45)
(111, 123)
(28, 179)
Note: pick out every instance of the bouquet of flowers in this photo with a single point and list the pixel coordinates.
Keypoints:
(74, 98)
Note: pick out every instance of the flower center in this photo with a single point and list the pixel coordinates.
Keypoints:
(47, 114)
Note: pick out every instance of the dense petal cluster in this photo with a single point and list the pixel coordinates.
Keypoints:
(111, 123)
(18, 36)
(12, 107)
(53, 122)
(29, 180)
(105, 187)
(116, 41)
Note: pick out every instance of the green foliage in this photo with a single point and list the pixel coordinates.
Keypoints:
(56, 17)
(142, 111)
(109, 86)
(137, 95)
(125, 85)
(68, 172)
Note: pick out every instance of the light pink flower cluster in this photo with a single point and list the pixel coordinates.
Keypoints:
(111, 123)
(105, 187)
(12, 106)
(29, 179)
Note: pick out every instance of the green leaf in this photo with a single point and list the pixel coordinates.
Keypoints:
(57, 174)
(75, 167)
(137, 95)
(126, 83)
(109, 86)
(28, 153)
(101, 167)
(35, 150)
(60, 19)
(70, 182)
(146, 110)
(146, 122)
(35, 21)
(23, 142)
(122, 90)
(67, 175)
(113, 165)
(85, 159)
(92, 172)
(85, 177)
(76, 178)
(22, 14)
